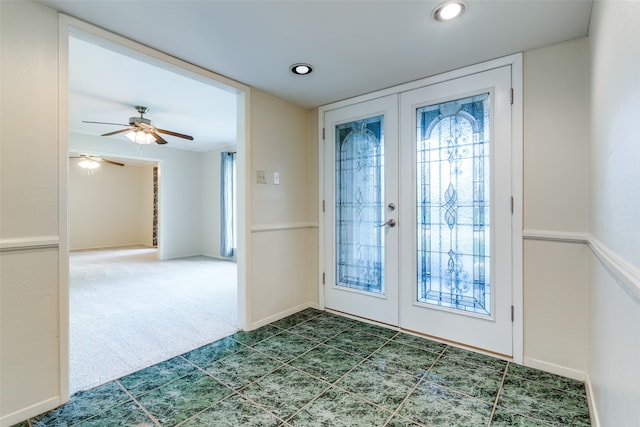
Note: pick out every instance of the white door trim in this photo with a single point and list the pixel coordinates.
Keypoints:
(515, 61)
(68, 24)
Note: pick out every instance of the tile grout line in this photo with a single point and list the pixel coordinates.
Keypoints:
(233, 391)
(144, 409)
(285, 420)
(415, 387)
(517, 411)
(387, 340)
(202, 369)
(102, 411)
(327, 383)
(204, 410)
(495, 402)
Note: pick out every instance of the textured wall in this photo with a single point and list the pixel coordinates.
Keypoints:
(30, 335)
(614, 342)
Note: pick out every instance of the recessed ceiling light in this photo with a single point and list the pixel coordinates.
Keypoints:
(301, 69)
(449, 10)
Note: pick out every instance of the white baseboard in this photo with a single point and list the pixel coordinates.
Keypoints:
(29, 411)
(552, 368)
(281, 315)
(591, 400)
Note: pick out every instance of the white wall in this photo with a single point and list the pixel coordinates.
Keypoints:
(614, 314)
(281, 231)
(32, 299)
(110, 206)
(556, 205)
(29, 294)
(180, 189)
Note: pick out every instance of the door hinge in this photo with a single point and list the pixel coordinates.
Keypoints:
(512, 313)
(511, 205)
(323, 129)
(323, 207)
(323, 278)
(511, 98)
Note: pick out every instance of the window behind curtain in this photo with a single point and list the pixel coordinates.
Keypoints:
(228, 204)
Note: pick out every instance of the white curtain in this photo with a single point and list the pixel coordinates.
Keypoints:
(227, 204)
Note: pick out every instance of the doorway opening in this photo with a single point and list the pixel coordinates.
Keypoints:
(139, 297)
(422, 194)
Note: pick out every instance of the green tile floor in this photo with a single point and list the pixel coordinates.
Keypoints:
(318, 369)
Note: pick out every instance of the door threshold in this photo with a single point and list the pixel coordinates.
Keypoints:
(459, 345)
(362, 319)
(423, 335)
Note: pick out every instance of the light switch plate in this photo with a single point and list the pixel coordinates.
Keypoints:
(261, 177)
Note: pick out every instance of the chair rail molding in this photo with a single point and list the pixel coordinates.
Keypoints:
(263, 228)
(28, 243)
(555, 236)
(625, 274)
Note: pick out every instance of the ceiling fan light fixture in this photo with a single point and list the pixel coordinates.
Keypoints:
(88, 164)
(140, 137)
(449, 10)
(301, 69)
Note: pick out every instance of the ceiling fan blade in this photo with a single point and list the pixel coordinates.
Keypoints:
(112, 162)
(179, 135)
(115, 132)
(104, 123)
(159, 139)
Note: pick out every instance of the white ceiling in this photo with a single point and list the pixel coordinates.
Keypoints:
(355, 46)
(105, 85)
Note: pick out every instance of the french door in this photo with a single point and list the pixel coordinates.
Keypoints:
(361, 192)
(418, 210)
(455, 207)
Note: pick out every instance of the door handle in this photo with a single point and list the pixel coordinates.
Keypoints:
(390, 223)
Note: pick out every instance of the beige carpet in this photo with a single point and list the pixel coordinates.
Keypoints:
(128, 310)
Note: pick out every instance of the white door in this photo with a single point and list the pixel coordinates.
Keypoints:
(361, 192)
(455, 180)
(418, 210)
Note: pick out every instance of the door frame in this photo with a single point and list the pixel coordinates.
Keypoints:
(68, 24)
(515, 62)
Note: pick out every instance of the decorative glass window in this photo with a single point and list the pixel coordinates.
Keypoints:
(360, 205)
(453, 205)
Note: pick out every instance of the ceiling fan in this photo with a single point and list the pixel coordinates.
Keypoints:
(141, 130)
(88, 161)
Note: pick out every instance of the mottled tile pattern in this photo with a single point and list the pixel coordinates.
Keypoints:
(320, 369)
(206, 355)
(234, 411)
(336, 408)
(83, 405)
(284, 391)
(326, 362)
(285, 346)
(403, 357)
(377, 383)
(154, 376)
(127, 414)
(180, 399)
(434, 405)
(542, 402)
(476, 381)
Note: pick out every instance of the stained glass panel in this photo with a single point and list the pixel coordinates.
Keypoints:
(360, 205)
(453, 205)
